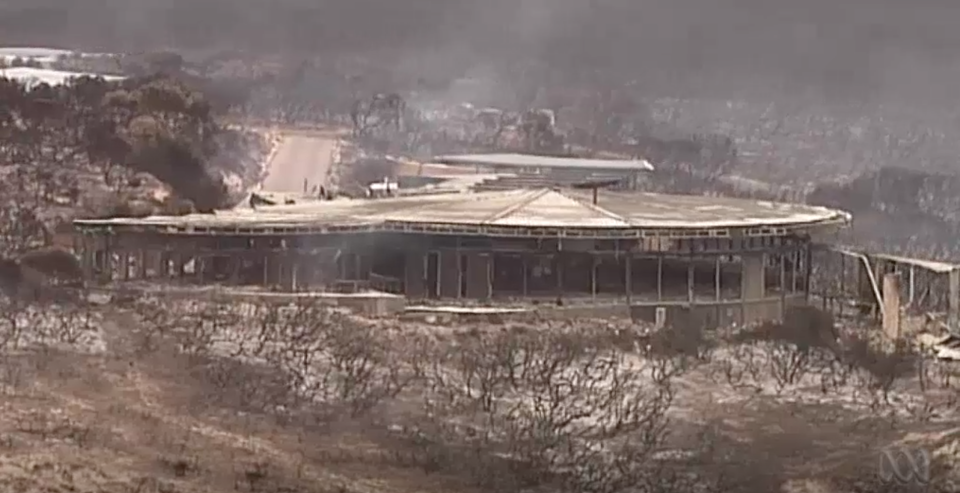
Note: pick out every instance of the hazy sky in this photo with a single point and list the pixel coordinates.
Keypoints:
(840, 48)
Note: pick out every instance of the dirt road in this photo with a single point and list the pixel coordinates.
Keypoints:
(303, 155)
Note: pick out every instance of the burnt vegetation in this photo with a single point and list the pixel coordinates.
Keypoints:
(572, 406)
(93, 148)
(56, 135)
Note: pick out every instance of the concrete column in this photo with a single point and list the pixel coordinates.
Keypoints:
(126, 264)
(449, 274)
(891, 306)
(414, 276)
(478, 276)
(691, 283)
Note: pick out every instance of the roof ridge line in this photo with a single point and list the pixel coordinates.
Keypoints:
(596, 208)
(533, 195)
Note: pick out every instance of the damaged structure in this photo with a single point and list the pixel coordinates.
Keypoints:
(719, 260)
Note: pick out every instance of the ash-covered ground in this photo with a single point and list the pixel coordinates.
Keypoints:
(213, 396)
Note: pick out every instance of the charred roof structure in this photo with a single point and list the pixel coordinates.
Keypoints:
(666, 256)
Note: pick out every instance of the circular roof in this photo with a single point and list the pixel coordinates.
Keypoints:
(573, 211)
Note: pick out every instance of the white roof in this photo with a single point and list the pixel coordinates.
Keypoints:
(543, 208)
(534, 161)
(32, 76)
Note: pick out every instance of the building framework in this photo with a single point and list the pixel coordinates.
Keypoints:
(718, 260)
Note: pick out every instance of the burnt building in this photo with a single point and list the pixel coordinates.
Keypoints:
(721, 260)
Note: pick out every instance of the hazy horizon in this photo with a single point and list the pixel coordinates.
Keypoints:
(855, 50)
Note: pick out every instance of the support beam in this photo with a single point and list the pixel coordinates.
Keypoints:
(717, 276)
(660, 277)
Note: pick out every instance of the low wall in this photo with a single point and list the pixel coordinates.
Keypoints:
(374, 304)
(718, 314)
